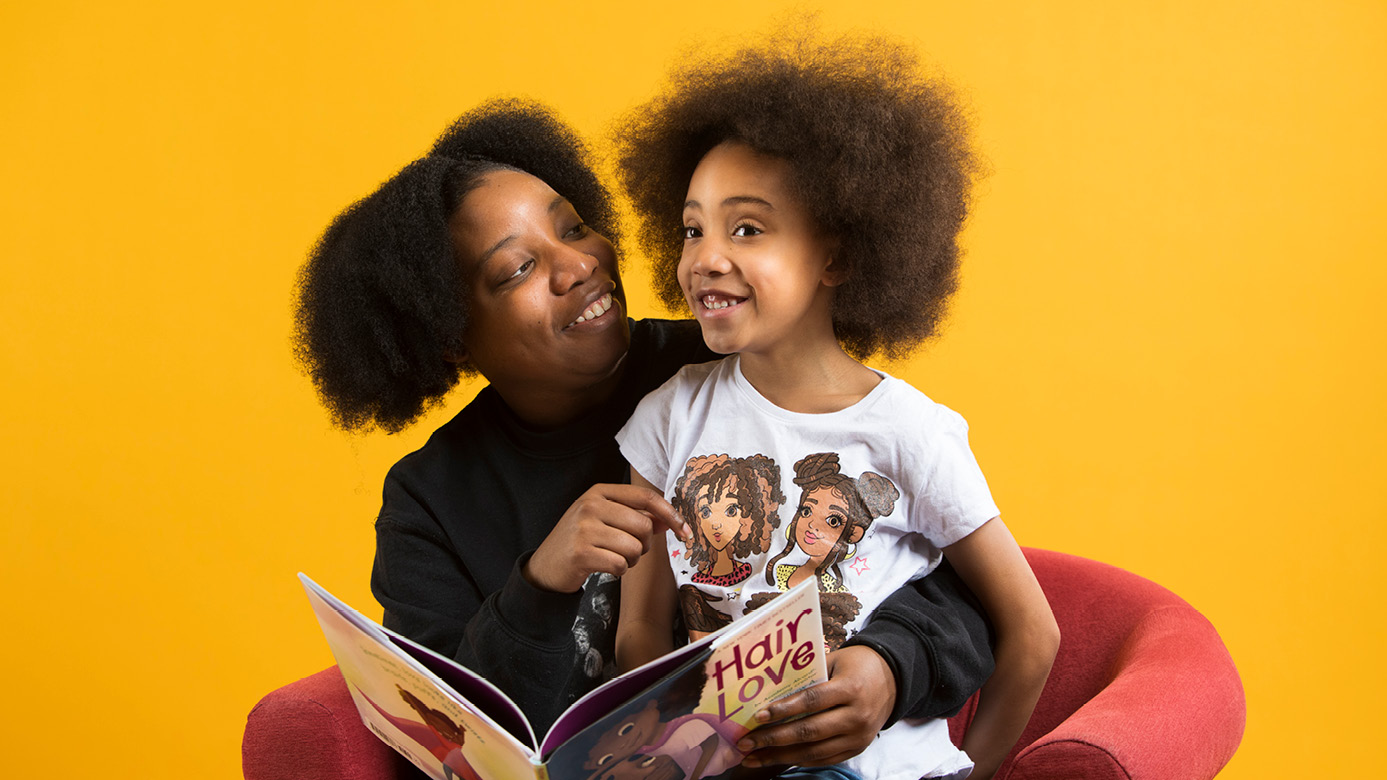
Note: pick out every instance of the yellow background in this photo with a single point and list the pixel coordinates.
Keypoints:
(1169, 344)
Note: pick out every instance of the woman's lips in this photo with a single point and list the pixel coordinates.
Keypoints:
(594, 310)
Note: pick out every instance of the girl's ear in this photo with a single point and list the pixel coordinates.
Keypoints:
(855, 535)
(836, 272)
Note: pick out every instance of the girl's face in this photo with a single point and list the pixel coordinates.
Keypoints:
(545, 301)
(822, 518)
(719, 520)
(755, 270)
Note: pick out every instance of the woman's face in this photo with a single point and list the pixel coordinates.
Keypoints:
(822, 517)
(545, 303)
(719, 520)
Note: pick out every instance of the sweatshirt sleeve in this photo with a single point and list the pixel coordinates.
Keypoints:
(936, 638)
(519, 638)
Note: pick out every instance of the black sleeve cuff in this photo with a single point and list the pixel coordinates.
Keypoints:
(902, 650)
(541, 616)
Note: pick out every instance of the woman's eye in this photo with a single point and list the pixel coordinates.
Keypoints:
(689, 232)
(577, 231)
(525, 266)
(746, 231)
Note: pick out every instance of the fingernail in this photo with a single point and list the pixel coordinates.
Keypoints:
(688, 532)
(746, 746)
(763, 716)
(751, 761)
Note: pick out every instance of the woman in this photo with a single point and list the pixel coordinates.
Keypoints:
(499, 541)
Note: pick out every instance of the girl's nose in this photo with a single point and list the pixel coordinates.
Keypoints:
(708, 258)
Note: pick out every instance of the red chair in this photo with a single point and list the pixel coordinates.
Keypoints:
(1142, 689)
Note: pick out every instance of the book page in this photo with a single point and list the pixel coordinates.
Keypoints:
(687, 724)
(409, 707)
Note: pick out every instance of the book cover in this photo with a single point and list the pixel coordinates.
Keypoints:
(678, 717)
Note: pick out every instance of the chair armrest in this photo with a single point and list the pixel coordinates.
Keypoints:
(310, 730)
(1173, 710)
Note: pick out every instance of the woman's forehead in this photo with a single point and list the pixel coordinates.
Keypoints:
(502, 207)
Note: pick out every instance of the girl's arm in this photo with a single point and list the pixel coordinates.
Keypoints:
(992, 564)
(645, 628)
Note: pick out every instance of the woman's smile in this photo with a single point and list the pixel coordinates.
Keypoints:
(597, 310)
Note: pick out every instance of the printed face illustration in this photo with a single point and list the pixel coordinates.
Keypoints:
(720, 520)
(624, 739)
(639, 767)
(822, 516)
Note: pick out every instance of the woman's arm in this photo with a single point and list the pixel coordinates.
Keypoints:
(645, 630)
(936, 638)
(923, 652)
(992, 564)
(475, 603)
(518, 637)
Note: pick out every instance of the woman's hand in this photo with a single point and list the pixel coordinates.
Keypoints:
(841, 716)
(606, 530)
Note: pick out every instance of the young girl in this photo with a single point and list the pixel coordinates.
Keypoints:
(820, 189)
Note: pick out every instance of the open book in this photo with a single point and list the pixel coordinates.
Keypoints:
(677, 717)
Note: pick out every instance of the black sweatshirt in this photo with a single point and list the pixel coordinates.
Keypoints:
(461, 515)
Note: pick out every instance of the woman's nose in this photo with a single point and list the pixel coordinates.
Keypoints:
(572, 267)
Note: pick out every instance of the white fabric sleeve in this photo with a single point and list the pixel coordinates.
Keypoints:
(644, 439)
(955, 500)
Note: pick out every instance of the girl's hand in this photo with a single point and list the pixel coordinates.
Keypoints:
(841, 716)
(606, 530)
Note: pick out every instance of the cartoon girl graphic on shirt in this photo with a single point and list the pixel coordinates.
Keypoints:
(834, 513)
(731, 504)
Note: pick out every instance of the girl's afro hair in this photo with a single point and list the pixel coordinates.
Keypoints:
(879, 157)
(380, 303)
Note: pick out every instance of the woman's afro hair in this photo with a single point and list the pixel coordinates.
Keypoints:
(380, 302)
(879, 155)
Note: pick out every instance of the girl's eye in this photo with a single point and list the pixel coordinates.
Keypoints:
(625, 729)
(605, 759)
(577, 231)
(835, 521)
(525, 266)
(689, 232)
(705, 512)
(746, 231)
(803, 511)
(731, 510)
(648, 761)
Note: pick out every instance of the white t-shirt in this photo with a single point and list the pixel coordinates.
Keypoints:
(862, 498)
